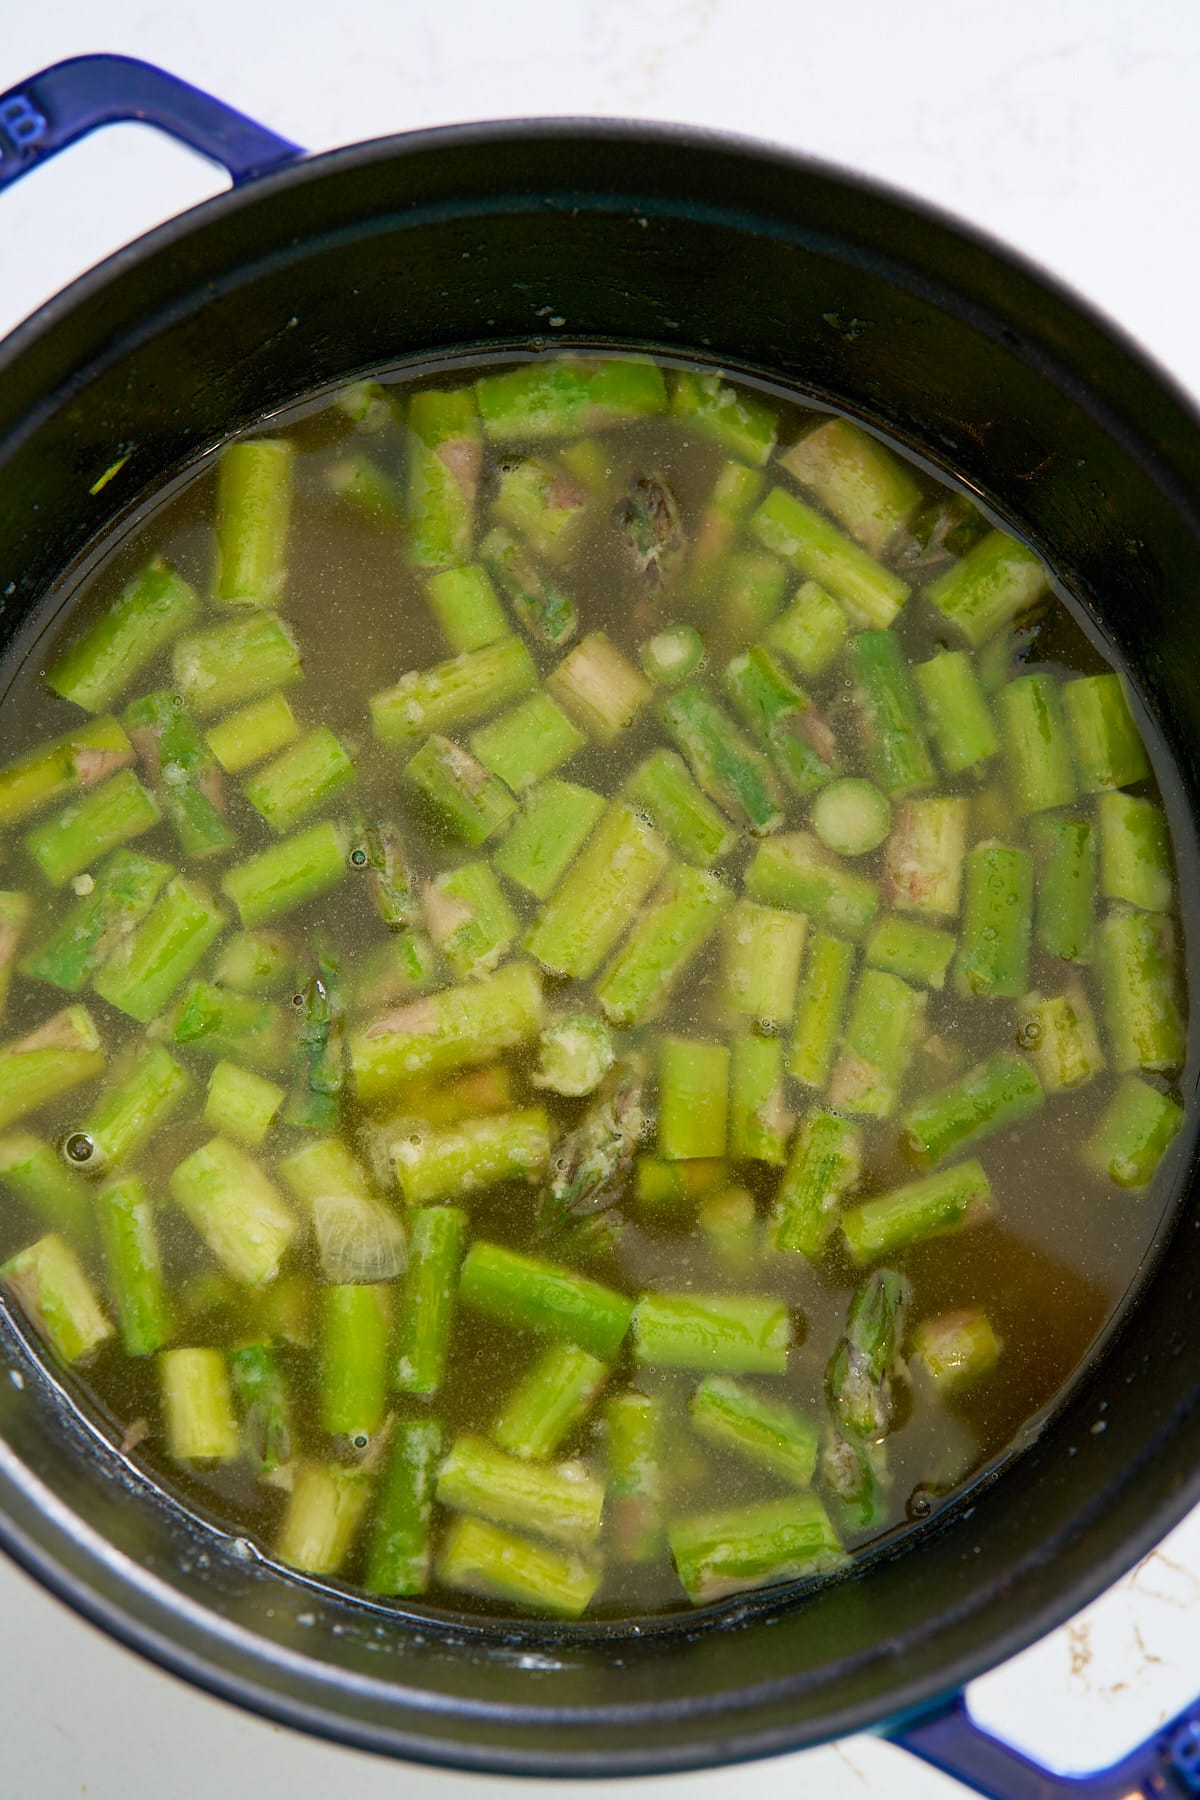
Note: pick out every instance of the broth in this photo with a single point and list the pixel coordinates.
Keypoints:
(1039, 1271)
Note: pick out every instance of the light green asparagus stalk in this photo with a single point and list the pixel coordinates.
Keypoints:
(812, 632)
(400, 1552)
(59, 1055)
(997, 579)
(595, 903)
(1108, 749)
(563, 1504)
(236, 1208)
(465, 796)
(301, 780)
(633, 1435)
(254, 504)
(359, 1239)
(1065, 857)
(672, 656)
(378, 850)
(81, 759)
(997, 925)
(541, 607)
(253, 733)
(182, 771)
(890, 728)
(479, 1558)
(923, 865)
(729, 1334)
(797, 872)
(260, 1390)
(198, 1406)
(882, 1033)
(87, 829)
(153, 961)
(920, 954)
(937, 1204)
(760, 1122)
(1034, 733)
(956, 711)
(472, 1156)
(129, 1239)
(98, 667)
(824, 1166)
(40, 1178)
(693, 1084)
(851, 817)
(728, 1221)
(324, 1513)
(1060, 1035)
(547, 834)
(990, 1097)
(824, 988)
(551, 1399)
(543, 502)
(545, 1298)
(469, 919)
(782, 717)
(1135, 853)
(691, 824)
(677, 921)
(144, 1093)
(528, 743)
(288, 874)
(728, 1552)
(591, 1162)
(452, 694)
(599, 687)
(1133, 1134)
(427, 1305)
(445, 455)
(50, 1285)
(1137, 958)
(575, 1053)
(454, 1029)
(958, 1348)
(355, 1330)
(228, 664)
(725, 763)
(859, 1377)
(870, 594)
(564, 397)
(466, 607)
(767, 1433)
(241, 1104)
(762, 948)
(733, 417)
(868, 490)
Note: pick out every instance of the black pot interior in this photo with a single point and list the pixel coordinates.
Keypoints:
(480, 237)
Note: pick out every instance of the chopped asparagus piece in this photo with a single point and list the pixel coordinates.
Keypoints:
(870, 594)
(1108, 749)
(796, 871)
(729, 1334)
(856, 478)
(81, 759)
(40, 1178)
(287, 874)
(477, 1154)
(148, 965)
(824, 988)
(1060, 1035)
(229, 664)
(693, 1098)
(591, 1163)
(254, 504)
(549, 1401)
(931, 1207)
(124, 889)
(825, 1165)
(772, 1435)
(1041, 773)
(241, 1104)
(469, 918)
(599, 687)
(782, 718)
(471, 686)
(997, 925)
(919, 954)
(542, 501)
(473, 803)
(250, 735)
(737, 421)
(323, 1517)
(453, 1029)
(400, 1554)
(759, 1121)
(1137, 957)
(427, 1305)
(859, 1376)
(563, 1504)
(958, 1348)
(575, 1053)
(996, 579)
(198, 1406)
(98, 667)
(690, 823)
(727, 1552)
(956, 711)
(49, 1284)
(882, 1033)
(479, 1558)
(675, 924)
(990, 1097)
(466, 607)
(355, 1327)
(673, 655)
(725, 763)
(890, 729)
(595, 903)
(63, 1052)
(87, 829)
(300, 781)
(1135, 852)
(546, 836)
(633, 1434)
(923, 864)
(1065, 859)
(445, 454)
(255, 962)
(236, 1209)
(125, 1116)
(183, 772)
(761, 962)
(1133, 1134)
(541, 606)
(130, 1243)
(812, 632)
(851, 817)
(544, 1298)
(525, 745)
(262, 1398)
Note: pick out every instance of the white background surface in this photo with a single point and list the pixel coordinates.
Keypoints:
(1070, 128)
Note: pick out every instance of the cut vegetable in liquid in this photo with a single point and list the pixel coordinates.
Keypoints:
(593, 971)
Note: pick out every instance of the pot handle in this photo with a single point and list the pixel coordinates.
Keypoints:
(1165, 1767)
(64, 103)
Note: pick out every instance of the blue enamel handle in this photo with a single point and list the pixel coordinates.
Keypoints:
(1165, 1767)
(50, 111)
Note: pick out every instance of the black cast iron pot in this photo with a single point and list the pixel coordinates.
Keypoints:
(479, 236)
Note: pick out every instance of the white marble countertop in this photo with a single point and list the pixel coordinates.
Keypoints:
(1068, 128)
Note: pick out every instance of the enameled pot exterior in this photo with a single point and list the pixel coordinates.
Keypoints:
(503, 236)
